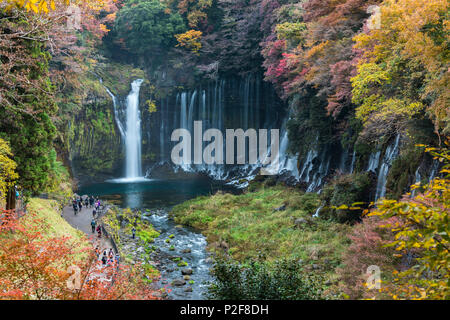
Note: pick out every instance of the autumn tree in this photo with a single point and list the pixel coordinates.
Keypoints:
(404, 69)
(190, 40)
(8, 173)
(194, 11)
(422, 233)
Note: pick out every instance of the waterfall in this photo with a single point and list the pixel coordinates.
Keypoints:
(115, 107)
(286, 163)
(316, 214)
(434, 170)
(133, 133)
(389, 156)
(343, 161)
(417, 179)
(374, 160)
(317, 177)
(230, 103)
(352, 165)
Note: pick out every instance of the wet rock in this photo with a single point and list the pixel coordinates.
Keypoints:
(186, 272)
(178, 282)
(188, 250)
(186, 278)
(175, 258)
(209, 260)
(188, 289)
(224, 245)
(282, 208)
(301, 222)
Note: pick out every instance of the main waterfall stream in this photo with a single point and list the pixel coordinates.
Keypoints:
(133, 139)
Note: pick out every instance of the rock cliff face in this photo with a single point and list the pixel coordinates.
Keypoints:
(94, 143)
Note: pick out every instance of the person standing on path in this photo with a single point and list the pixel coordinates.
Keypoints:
(99, 231)
(104, 258)
(133, 231)
(93, 225)
(75, 206)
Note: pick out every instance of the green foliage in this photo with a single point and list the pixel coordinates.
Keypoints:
(146, 28)
(292, 31)
(346, 190)
(27, 107)
(402, 169)
(59, 178)
(31, 139)
(280, 280)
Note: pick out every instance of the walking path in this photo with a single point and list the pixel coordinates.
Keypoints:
(82, 221)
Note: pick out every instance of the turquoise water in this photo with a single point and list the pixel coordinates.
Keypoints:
(152, 193)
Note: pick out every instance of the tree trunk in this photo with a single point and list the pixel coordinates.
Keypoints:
(11, 199)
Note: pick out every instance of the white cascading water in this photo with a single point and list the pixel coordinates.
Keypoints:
(434, 170)
(133, 133)
(247, 103)
(417, 179)
(374, 160)
(389, 156)
(352, 165)
(116, 113)
(130, 132)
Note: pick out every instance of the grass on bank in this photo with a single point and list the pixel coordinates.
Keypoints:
(252, 227)
(53, 225)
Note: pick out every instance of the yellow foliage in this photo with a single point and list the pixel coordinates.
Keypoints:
(424, 233)
(7, 169)
(151, 106)
(44, 6)
(190, 40)
(415, 31)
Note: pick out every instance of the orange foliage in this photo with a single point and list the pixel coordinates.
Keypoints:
(35, 266)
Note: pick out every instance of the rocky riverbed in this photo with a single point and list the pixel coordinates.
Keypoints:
(179, 253)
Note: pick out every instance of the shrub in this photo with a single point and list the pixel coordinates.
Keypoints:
(281, 280)
(368, 239)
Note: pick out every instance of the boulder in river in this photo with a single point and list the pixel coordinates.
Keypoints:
(188, 289)
(209, 260)
(186, 272)
(178, 283)
(187, 250)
